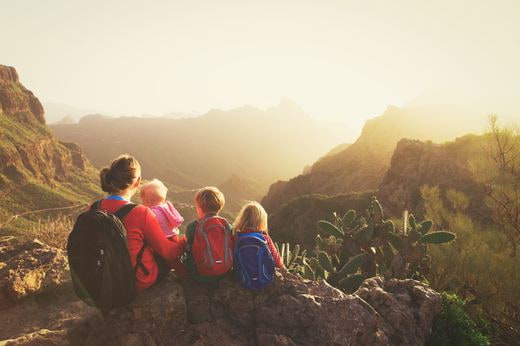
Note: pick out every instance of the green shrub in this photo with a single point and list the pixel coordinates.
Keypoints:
(453, 326)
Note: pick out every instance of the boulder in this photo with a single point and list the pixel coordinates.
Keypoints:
(29, 269)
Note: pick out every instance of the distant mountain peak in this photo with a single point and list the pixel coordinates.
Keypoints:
(288, 108)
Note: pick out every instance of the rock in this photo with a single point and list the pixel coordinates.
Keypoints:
(153, 316)
(295, 311)
(415, 164)
(15, 98)
(292, 311)
(405, 305)
(42, 337)
(29, 269)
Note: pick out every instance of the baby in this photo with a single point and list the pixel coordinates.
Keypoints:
(153, 195)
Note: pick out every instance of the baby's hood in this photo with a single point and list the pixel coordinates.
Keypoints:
(173, 216)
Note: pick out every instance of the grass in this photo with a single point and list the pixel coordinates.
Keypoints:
(53, 231)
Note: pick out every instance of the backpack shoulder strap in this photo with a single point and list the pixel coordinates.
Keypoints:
(124, 210)
(96, 205)
(190, 231)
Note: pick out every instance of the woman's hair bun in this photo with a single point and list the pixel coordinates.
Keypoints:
(121, 174)
(106, 178)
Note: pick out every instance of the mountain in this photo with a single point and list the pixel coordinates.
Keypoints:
(180, 115)
(66, 120)
(55, 112)
(37, 171)
(247, 142)
(361, 166)
(415, 164)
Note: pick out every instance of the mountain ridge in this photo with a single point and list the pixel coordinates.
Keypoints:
(362, 165)
(36, 170)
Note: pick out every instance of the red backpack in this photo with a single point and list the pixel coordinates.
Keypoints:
(212, 246)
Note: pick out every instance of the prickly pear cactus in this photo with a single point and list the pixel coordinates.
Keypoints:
(351, 248)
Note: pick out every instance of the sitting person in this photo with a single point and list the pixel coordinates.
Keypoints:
(148, 247)
(210, 241)
(256, 255)
(153, 195)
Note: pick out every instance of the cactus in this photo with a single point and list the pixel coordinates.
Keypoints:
(330, 228)
(349, 217)
(358, 247)
(353, 264)
(293, 260)
(353, 248)
(437, 238)
(426, 225)
(351, 283)
(325, 262)
(308, 272)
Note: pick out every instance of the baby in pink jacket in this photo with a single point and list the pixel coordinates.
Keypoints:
(153, 195)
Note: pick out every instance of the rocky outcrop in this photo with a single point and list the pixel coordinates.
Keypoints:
(300, 312)
(292, 311)
(415, 164)
(154, 317)
(36, 170)
(29, 269)
(16, 99)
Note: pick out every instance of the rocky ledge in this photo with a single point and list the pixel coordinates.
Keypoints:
(290, 312)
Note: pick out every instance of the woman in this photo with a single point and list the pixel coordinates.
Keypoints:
(144, 235)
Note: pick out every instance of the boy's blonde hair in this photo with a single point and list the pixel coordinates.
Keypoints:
(154, 192)
(210, 199)
(252, 215)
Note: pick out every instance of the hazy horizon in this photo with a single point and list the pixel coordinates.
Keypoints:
(337, 60)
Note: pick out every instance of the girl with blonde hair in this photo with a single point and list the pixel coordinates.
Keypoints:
(253, 245)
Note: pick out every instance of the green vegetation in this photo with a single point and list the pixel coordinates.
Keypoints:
(356, 248)
(478, 266)
(454, 327)
(498, 172)
(36, 173)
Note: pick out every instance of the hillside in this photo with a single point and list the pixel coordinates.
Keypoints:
(415, 164)
(36, 170)
(362, 165)
(260, 145)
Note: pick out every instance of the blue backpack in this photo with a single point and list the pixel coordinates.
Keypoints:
(254, 262)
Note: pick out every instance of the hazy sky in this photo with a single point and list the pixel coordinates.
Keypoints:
(337, 59)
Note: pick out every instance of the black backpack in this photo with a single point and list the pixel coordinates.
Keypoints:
(99, 260)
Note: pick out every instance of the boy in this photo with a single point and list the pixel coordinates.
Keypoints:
(210, 243)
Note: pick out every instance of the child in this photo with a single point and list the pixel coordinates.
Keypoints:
(153, 195)
(252, 220)
(210, 241)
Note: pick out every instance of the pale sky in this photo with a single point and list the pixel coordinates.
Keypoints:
(336, 59)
